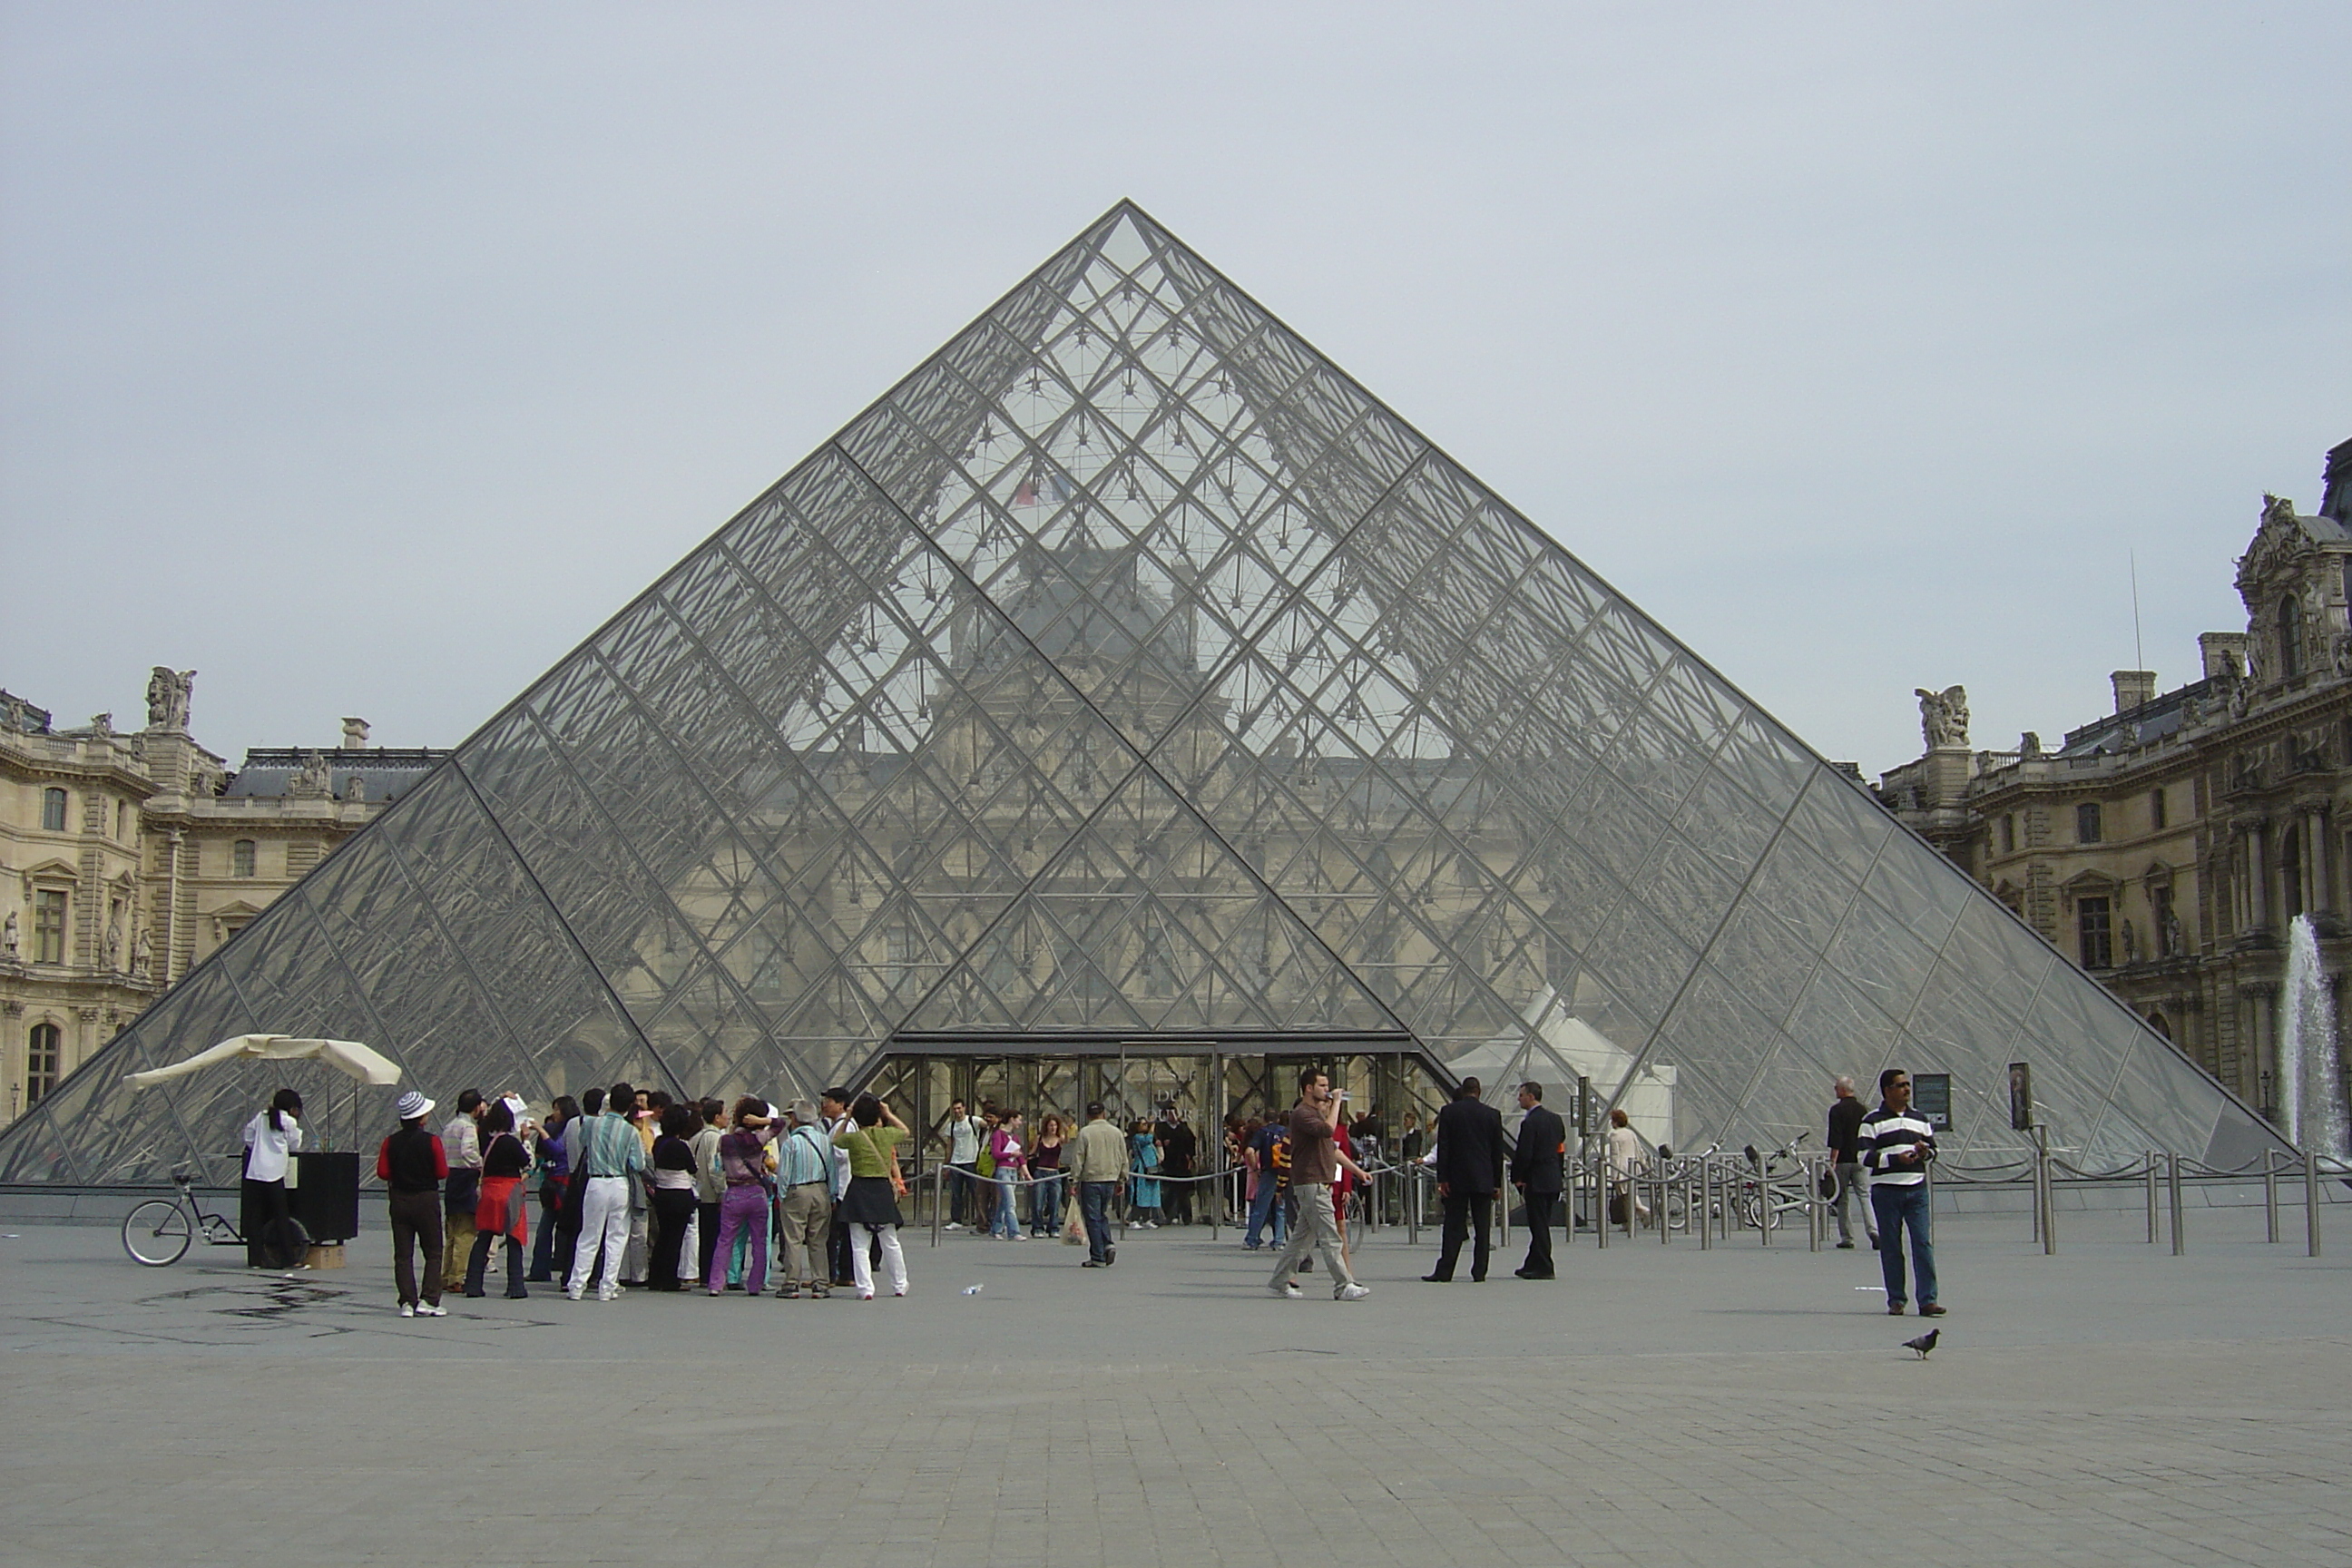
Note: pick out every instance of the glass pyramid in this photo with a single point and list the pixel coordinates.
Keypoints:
(1127, 672)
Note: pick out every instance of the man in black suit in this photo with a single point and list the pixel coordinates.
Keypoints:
(1469, 1175)
(1538, 1170)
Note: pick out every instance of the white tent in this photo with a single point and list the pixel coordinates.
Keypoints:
(357, 1060)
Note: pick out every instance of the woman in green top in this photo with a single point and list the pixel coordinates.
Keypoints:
(870, 1139)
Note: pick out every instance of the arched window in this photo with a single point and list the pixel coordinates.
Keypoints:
(44, 1050)
(2290, 637)
(240, 857)
(53, 811)
(2160, 1023)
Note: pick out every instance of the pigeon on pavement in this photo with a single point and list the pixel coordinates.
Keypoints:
(1924, 1343)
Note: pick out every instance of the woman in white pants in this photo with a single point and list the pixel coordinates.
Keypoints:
(870, 1136)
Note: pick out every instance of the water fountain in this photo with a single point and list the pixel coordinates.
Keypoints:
(2311, 1069)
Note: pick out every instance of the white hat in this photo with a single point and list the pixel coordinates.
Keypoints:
(412, 1105)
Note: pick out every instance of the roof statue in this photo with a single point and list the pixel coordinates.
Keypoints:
(1128, 671)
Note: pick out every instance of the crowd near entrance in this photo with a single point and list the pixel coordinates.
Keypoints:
(1203, 1086)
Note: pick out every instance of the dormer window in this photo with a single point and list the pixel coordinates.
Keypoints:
(2290, 638)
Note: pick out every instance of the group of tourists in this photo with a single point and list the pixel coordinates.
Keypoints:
(635, 1188)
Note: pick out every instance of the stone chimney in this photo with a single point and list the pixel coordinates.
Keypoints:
(355, 734)
(2224, 654)
(2133, 689)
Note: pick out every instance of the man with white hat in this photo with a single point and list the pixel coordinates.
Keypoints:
(412, 1164)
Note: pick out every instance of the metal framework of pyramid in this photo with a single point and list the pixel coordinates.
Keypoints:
(1129, 672)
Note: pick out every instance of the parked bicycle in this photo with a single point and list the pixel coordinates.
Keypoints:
(159, 1232)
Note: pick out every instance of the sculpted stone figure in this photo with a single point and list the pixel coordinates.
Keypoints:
(8, 939)
(1944, 716)
(315, 782)
(143, 952)
(169, 692)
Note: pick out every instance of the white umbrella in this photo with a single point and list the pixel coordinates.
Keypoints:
(359, 1060)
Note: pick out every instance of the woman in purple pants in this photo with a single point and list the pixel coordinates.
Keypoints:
(743, 1162)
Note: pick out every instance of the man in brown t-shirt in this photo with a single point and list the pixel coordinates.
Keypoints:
(1315, 1162)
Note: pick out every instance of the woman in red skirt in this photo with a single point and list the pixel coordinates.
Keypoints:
(503, 1206)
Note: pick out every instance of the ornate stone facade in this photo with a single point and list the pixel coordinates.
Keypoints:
(2166, 847)
(125, 859)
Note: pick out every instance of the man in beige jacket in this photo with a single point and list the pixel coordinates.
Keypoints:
(1098, 1165)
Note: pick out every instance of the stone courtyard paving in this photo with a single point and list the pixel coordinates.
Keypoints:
(2112, 1405)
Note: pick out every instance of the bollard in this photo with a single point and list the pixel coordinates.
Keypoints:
(2310, 1204)
(1664, 1212)
(2151, 1198)
(1763, 1204)
(2172, 1182)
(2270, 1192)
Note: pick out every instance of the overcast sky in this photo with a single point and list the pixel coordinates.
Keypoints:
(365, 359)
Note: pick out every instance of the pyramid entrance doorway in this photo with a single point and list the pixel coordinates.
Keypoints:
(1198, 1081)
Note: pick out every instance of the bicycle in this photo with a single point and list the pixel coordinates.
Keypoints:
(159, 1232)
(1767, 1190)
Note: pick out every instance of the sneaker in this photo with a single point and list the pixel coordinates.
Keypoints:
(899, 1290)
(952, 1225)
(865, 1295)
(1290, 1290)
(406, 1311)
(432, 1309)
(1110, 1256)
(572, 1295)
(1351, 1293)
(1845, 1247)
(1019, 1235)
(1094, 1263)
(819, 1292)
(789, 1292)
(608, 1294)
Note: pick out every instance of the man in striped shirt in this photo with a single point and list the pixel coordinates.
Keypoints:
(1896, 1145)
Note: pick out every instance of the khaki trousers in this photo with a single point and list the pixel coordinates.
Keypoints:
(800, 1241)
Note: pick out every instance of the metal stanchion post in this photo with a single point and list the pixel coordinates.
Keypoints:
(1816, 1218)
(937, 1171)
(2310, 1204)
(1664, 1212)
(1706, 1203)
(2151, 1198)
(1601, 1201)
(2270, 1192)
(2172, 1183)
(1763, 1204)
(2049, 1216)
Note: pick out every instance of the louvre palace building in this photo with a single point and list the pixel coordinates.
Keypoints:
(128, 857)
(2167, 846)
(1128, 705)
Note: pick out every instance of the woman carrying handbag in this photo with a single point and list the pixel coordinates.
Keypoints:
(870, 1137)
(503, 1207)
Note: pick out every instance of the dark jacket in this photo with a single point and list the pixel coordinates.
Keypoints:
(1538, 1162)
(1470, 1147)
(1846, 1130)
